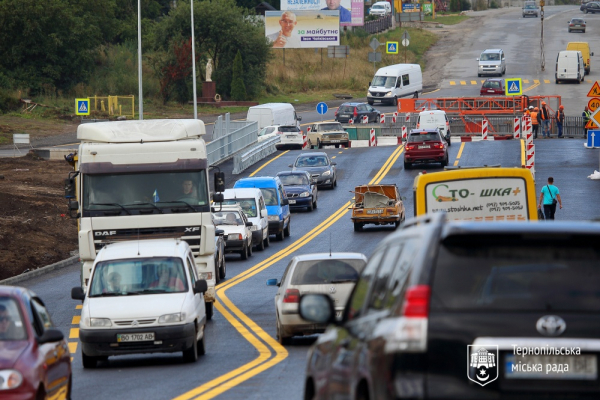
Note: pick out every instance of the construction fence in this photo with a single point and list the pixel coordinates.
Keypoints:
(114, 105)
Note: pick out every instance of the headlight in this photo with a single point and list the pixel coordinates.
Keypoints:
(254, 227)
(326, 173)
(273, 217)
(170, 318)
(388, 94)
(99, 322)
(207, 276)
(304, 194)
(10, 379)
(370, 94)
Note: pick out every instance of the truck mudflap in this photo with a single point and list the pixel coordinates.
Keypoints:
(210, 295)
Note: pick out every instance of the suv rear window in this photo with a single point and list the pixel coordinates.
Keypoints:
(346, 109)
(517, 272)
(425, 137)
(327, 271)
(288, 129)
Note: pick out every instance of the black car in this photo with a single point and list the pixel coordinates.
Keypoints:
(301, 192)
(576, 24)
(465, 310)
(590, 7)
(355, 112)
(220, 267)
(319, 166)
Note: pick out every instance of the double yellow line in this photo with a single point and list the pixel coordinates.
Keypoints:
(254, 334)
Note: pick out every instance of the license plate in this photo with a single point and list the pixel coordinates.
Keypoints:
(374, 211)
(335, 141)
(582, 367)
(290, 136)
(578, 26)
(135, 337)
(424, 147)
(345, 116)
(292, 201)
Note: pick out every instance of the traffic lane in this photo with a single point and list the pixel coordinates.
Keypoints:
(570, 164)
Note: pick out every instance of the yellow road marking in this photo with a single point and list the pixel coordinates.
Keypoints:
(546, 81)
(525, 80)
(76, 319)
(473, 82)
(340, 152)
(74, 333)
(72, 347)
(536, 84)
(463, 82)
(433, 91)
(268, 162)
(482, 81)
(210, 389)
(333, 157)
(462, 146)
(536, 81)
(452, 83)
(79, 306)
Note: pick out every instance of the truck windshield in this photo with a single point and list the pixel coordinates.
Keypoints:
(385, 81)
(160, 191)
(138, 276)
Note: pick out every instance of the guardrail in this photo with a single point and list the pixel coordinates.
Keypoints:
(254, 154)
(226, 146)
(224, 125)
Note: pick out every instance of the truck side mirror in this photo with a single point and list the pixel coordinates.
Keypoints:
(219, 182)
(69, 188)
(218, 197)
(299, 118)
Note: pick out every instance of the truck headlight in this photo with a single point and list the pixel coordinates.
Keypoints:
(273, 217)
(100, 322)
(10, 379)
(304, 194)
(388, 94)
(170, 318)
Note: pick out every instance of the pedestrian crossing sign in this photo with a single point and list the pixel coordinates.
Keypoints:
(513, 87)
(391, 47)
(82, 106)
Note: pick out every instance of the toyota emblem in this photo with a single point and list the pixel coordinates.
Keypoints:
(332, 290)
(551, 325)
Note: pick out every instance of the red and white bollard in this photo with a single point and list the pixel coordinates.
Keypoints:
(529, 132)
(382, 119)
(365, 119)
(484, 129)
(394, 117)
(517, 128)
(372, 139)
(305, 141)
(404, 134)
(407, 118)
(530, 158)
(351, 121)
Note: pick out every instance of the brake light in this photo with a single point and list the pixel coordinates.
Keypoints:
(588, 62)
(416, 301)
(410, 147)
(355, 112)
(291, 296)
(390, 210)
(438, 146)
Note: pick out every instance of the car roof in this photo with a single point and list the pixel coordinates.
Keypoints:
(296, 172)
(351, 104)
(494, 79)
(258, 181)
(313, 154)
(168, 247)
(330, 256)
(15, 291)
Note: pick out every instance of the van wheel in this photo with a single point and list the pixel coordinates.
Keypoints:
(208, 309)
(319, 145)
(222, 267)
(279, 236)
(261, 246)
(202, 344)
(190, 355)
(267, 240)
(395, 101)
(556, 81)
(578, 80)
(416, 95)
(479, 75)
(287, 231)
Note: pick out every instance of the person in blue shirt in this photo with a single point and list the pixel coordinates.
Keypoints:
(549, 196)
(345, 15)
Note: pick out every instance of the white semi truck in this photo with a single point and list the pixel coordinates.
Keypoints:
(136, 180)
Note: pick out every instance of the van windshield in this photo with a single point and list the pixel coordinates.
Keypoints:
(248, 206)
(386, 81)
(489, 57)
(530, 6)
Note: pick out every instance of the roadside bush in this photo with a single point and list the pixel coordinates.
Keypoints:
(238, 89)
(493, 4)
(480, 5)
(9, 101)
(465, 5)
(455, 5)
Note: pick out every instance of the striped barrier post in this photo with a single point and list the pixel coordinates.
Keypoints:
(484, 129)
(394, 117)
(351, 121)
(372, 139)
(382, 119)
(407, 118)
(304, 141)
(530, 158)
(404, 133)
(529, 137)
(365, 119)
(517, 128)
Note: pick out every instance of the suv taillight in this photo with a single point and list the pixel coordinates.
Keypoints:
(291, 296)
(416, 301)
(438, 146)
(408, 333)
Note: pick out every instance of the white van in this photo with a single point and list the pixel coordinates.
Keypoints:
(144, 296)
(391, 82)
(433, 119)
(381, 8)
(491, 62)
(273, 114)
(253, 204)
(569, 66)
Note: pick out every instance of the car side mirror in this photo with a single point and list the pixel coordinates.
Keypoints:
(317, 308)
(219, 181)
(77, 293)
(333, 163)
(200, 286)
(291, 165)
(248, 223)
(219, 232)
(264, 213)
(273, 282)
(285, 202)
(51, 335)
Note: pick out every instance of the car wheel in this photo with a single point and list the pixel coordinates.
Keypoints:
(397, 224)
(244, 252)
(407, 165)
(283, 340)
(569, 31)
(209, 310)
(445, 161)
(250, 248)
(311, 206)
(309, 390)
(267, 240)
(358, 227)
(287, 231)
(261, 246)
(319, 145)
(586, 11)
(190, 354)
(556, 81)
(88, 361)
(337, 146)
(315, 204)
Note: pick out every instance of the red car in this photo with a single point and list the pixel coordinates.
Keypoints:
(425, 146)
(493, 86)
(35, 362)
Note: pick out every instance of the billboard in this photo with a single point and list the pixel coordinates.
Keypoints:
(302, 29)
(352, 12)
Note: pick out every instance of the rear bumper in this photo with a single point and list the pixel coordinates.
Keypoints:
(416, 158)
(234, 245)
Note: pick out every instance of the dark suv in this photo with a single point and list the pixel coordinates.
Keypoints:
(356, 112)
(465, 310)
(425, 146)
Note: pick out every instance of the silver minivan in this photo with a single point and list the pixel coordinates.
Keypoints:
(491, 62)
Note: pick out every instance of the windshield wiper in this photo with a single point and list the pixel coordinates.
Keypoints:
(111, 204)
(153, 291)
(342, 280)
(112, 294)
(145, 204)
(178, 201)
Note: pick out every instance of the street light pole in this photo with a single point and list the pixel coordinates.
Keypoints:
(140, 99)
(194, 62)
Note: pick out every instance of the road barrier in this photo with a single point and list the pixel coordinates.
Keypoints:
(484, 129)
(226, 146)
(365, 119)
(517, 128)
(372, 139)
(382, 119)
(254, 154)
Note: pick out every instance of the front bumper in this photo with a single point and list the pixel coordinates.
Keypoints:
(275, 227)
(234, 245)
(167, 339)
(489, 69)
(300, 202)
(383, 100)
(389, 219)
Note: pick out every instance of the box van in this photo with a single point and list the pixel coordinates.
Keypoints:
(144, 296)
(433, 119)
(253, 205)
(584, 48)
(391, 82)
(491, 62)
(569, 66)
(278, 208)
(273, 114)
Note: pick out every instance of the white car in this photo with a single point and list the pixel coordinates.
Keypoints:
(144, 296)
(267, 133)
(380, 8)
(291, 138)
(238, 236)
(334, 274)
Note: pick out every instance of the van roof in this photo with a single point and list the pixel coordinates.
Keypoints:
(156, 130)
(143, 249)
(273, 106)
(568, 53)
(393, 69)
(241, 193)
(492, 51)
(258, 182)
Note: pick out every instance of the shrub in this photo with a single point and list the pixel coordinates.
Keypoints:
(465, 5)
(493, 4)
(238, 89)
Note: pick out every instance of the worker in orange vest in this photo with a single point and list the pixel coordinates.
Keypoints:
(535, 123)
(544, 116)
(528, 111)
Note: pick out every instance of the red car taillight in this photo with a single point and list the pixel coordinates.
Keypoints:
(416, 301)
(291, 296)
(438, 146)
(410, 147)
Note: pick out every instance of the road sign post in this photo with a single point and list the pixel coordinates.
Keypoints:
(374, 56)
(405, 42)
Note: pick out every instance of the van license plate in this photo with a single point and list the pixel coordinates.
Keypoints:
(135, 337)
(290, 136)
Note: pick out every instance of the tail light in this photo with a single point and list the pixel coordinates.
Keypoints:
(416, 301)
(291, 296)
(355, 112)
(335, 113)
(438, 146)
(588, 62)
(390, 210)
(410, 147)
(278, 132)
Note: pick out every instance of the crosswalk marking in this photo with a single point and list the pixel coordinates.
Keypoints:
(546, 81)
(473, 82)
(525, 80)
(463, 82)
(72, 347)
(452, 83)
(536, 81)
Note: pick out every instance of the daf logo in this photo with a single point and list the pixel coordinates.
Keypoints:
(192, 229)
(135, 323)
(551, 325)
(332, 290)
(105, 233)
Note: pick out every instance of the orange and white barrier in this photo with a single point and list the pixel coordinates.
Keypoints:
(382, 119)
(407, 117)
(484, 129)
(305, 141)
(365, 119)
(404, 133)
(394, 117)
(372, 139)
(517, 128)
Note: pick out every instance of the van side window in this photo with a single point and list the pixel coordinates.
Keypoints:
(281, 194)
(405, 80)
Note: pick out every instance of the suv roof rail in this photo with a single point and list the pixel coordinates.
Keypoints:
(432, 218)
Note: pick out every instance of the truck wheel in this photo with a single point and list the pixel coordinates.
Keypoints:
(208, 307)
(319, 145)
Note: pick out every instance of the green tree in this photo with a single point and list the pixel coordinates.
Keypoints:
(238, 89)
(221, 30)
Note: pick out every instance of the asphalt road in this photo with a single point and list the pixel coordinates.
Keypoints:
(243, 361)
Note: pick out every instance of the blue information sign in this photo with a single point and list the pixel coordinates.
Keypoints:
(322, 108)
